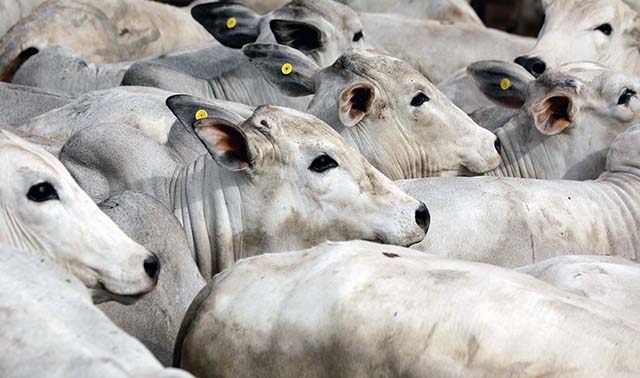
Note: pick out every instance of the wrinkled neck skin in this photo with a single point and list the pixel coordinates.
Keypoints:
(225, 216)
(527, 153)
(207, 201)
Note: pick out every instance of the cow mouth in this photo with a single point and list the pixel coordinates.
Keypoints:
(100, 294)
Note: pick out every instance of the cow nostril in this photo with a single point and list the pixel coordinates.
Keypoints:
(535, 66)
(152, 267)
(498, 146)
(538, 67)
(423, 218)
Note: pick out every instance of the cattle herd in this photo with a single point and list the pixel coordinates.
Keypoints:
(290, 189)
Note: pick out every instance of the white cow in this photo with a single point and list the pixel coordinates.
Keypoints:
(565, 119)
(276, 180)
(44, 212)
(51, 328)
(602, 31)
(513, 222)
(12, 11)
(613, 281)
(361, 309)
(442, 10)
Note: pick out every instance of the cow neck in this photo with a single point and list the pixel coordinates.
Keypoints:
(406, 160)
(619, 199)
(207, 200)
(526, 153)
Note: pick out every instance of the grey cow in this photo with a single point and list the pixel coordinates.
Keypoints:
(513, 222)
(155, 318)
(275, 181)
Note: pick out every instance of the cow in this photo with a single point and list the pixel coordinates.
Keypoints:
(611, 280)
(360, 309)
(321, 29)
(391, 113)
(601, 31)
(44, 212)
(438, 50)
(277, 180)
(104, 32)
(565, 119)
(156, 317)
(448, 11)
(50, 326)
(20, 103)
(514, 222)
(59, 69)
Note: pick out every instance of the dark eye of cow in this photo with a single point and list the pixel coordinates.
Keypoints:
(42, 192)
(358, 36)
(625, 97)
(606, 29)
(322, 163)
(419, 99)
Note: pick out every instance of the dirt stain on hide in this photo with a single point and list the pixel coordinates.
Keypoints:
(390, 255)
(446, 275)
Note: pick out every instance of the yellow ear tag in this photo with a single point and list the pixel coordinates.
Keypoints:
(505, 84)
(200, 114)
(231, 23)
(287, 68)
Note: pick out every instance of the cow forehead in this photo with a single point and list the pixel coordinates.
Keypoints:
(19, 154)
(377, 66)
(338, 14)
(574, 77)
(295, 126)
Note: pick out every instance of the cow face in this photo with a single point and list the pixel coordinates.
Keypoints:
(300, 183)
(602, 31)
(321, 29)
(397, 119)
(43, 211)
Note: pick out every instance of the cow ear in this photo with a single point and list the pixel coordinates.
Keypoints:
(284, 67)
(233, 25)
(501, 82)
(226, 142)
(553, 113)
(297, 34)
(355, 102)
(189, 109)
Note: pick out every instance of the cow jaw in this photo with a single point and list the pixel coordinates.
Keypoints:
(65, 225)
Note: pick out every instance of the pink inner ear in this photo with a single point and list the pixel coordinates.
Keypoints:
(355, 104)
(225, 138)
(552, 114)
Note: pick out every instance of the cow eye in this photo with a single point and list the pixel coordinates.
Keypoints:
(358, 36)
(42, 192)
(323, 163)
(419, 99)
(606, 29)
(625, 97)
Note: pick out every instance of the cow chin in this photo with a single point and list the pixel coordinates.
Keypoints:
(100, 294)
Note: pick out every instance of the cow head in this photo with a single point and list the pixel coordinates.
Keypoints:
(299, 182)
(583, 105)
(397, 119)
(321, 29)
(43, 211)
(602, 31)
